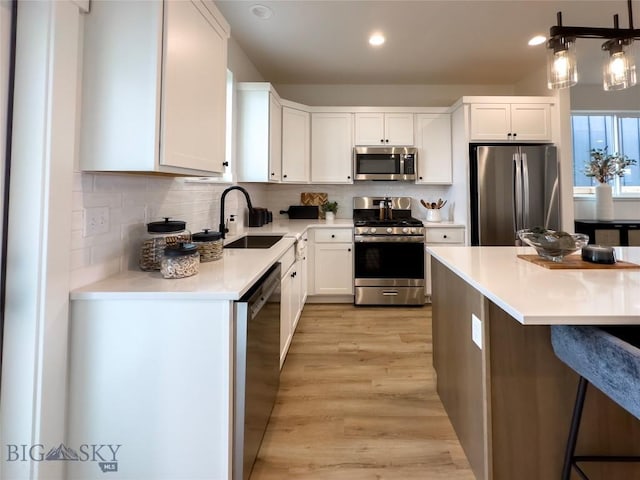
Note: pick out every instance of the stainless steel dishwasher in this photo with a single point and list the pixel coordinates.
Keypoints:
(256, 367)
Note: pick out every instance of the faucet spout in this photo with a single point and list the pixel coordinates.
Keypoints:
(222, 227)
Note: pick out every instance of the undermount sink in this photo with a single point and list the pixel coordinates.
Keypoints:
(255, 241)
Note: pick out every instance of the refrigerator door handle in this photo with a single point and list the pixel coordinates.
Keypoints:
(525, 192)
(517, 193)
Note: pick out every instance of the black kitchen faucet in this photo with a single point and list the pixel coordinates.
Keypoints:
(223, 228)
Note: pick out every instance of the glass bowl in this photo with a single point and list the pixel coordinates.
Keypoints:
(552, 245)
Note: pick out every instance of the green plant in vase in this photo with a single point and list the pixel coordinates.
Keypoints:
(330, 209)
(604, 167)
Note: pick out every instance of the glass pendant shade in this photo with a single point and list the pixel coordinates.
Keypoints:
(619, 67)
(561, 64)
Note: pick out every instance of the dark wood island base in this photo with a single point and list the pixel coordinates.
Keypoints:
(511, 401)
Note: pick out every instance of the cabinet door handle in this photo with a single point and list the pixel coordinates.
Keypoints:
(382, 140)
(420, 178)
(349, 177)
(509, 134)
(514, 135)
(348, 249)
(284, 176)
(225, 164)
(333, 236)
(444, 236)
(387, 140)
(273, 174)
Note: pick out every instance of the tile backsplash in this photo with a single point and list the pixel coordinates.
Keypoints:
(131, 201)
(280, 196)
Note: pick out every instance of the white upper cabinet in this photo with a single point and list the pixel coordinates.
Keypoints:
(384, 129)
(296, 145)
(433, 141)
(259, 138)
(331, 147)
(154, 88)
(510, 122)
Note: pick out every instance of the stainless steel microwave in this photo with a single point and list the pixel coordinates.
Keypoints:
(384, 163)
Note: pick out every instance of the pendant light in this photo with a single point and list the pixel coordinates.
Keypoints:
(619, 69)
(561, 63)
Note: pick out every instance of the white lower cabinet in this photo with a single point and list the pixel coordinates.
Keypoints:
(293, 293)
(333, 261)
(152, 375)
(453, 235)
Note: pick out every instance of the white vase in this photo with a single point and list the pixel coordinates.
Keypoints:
(604, 202)
(329, 216)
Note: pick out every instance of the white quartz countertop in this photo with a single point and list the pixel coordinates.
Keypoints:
(539, 296)
(225, 279)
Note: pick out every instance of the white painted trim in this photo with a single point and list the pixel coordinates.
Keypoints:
(34, 394)
(83, 5)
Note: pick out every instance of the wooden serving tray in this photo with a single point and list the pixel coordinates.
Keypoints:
(313, 198)
(575, 262)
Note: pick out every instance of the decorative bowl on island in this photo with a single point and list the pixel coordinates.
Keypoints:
(552, 245)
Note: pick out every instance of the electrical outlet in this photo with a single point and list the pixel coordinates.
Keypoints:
(476, 331)
(96, 221)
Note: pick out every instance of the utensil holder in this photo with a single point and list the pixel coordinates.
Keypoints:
(433, 215)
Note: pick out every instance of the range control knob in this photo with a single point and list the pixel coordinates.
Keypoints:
(372, 229)
(414, 230)
(405, 230)
(389, 230)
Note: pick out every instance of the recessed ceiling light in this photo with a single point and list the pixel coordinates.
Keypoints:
(376, 39)
(261, 11)
(537, 40)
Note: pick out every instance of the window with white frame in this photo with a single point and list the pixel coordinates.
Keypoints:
(618, 132)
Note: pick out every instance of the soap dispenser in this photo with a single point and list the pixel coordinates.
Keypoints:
(232, 226)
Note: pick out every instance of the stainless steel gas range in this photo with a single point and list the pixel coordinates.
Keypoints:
(388, 252)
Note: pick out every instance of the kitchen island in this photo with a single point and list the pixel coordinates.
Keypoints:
(508, 396)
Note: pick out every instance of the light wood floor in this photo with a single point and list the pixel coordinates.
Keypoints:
(357, 401)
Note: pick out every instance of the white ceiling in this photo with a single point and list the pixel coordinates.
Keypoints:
(428, 41)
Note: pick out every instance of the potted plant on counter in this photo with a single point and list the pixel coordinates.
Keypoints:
(605, 167)
(330, 209)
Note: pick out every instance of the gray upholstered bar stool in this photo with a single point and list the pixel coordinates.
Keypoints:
(609, 359)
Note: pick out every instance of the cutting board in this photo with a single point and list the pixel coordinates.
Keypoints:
(576, 262)
(313, 198)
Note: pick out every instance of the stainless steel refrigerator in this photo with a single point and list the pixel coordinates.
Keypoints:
(512, 187)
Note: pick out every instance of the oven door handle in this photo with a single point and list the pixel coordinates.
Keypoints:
(390, 293)
(388, 238)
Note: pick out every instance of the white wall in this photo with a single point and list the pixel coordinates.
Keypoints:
(534, 84)
(593, 97)
(36, 314)
(237, 61)
(385, 95)
(5, 36)
(623, 208)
